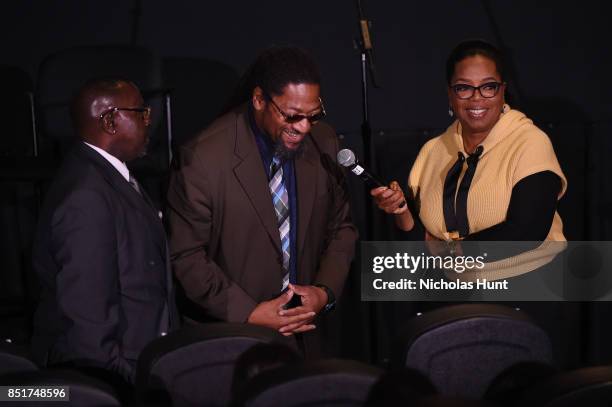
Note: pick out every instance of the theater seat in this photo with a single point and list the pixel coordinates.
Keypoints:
(511, 384)
(331, 382)
(461, 348)
(591, 386)
(194, 366)
(446, 401)
(84, 391)
(14, 359)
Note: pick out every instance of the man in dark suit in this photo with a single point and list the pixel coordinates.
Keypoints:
(245, 240)
(100, 251)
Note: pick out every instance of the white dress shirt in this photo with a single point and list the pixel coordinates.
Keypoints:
(115, 162)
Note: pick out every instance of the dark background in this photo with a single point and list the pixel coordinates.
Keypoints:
(559, 57)
(560, 50)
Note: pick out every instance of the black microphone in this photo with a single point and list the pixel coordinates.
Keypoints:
(346, 158)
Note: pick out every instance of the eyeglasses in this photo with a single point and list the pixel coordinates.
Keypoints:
(144, 111)
(296, 118)
(487, 90)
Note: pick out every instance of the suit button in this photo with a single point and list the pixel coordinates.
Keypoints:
(163, 334)
(151, 263)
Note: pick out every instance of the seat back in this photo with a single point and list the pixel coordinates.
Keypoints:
(462, 348)
(195, 364)
(319, 383)
(81, 390)
(591, 386)
(14, 359)
(200, 90)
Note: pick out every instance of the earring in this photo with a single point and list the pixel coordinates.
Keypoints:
(450, 112)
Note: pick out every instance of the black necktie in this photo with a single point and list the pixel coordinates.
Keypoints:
(455, 211)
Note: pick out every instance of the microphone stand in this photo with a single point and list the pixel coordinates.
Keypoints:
(364, 45)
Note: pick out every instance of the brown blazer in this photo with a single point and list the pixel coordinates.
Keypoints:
(224, 239)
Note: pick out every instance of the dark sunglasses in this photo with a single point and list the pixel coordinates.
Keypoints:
(296, 118)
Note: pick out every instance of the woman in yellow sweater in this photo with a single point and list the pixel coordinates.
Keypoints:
(492, 175)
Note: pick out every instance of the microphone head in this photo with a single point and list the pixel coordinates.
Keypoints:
(346, 158)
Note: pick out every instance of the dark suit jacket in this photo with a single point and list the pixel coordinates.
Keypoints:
(224, 237)
(102, 259)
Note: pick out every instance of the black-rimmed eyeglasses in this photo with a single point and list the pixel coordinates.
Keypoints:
(145, 111)
(296, 118)
(487, 90)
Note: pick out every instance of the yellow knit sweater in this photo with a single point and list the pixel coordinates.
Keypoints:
(514, 149)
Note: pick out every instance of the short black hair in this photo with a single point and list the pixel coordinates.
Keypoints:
(274, 69)
(470, 48)
(277, 67)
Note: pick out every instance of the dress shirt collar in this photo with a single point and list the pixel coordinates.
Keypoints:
(115, 162)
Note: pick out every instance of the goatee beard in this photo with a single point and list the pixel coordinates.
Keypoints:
(284, 154)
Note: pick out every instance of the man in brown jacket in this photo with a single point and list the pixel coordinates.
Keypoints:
(259, 217)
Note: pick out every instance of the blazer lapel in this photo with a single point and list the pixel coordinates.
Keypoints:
(138, 202)
(306, 176)
(250, 173)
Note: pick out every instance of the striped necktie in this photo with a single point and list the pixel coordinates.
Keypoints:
(280, 198)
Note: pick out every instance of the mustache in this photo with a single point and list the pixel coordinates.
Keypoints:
(293, 132)
(283, 153)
